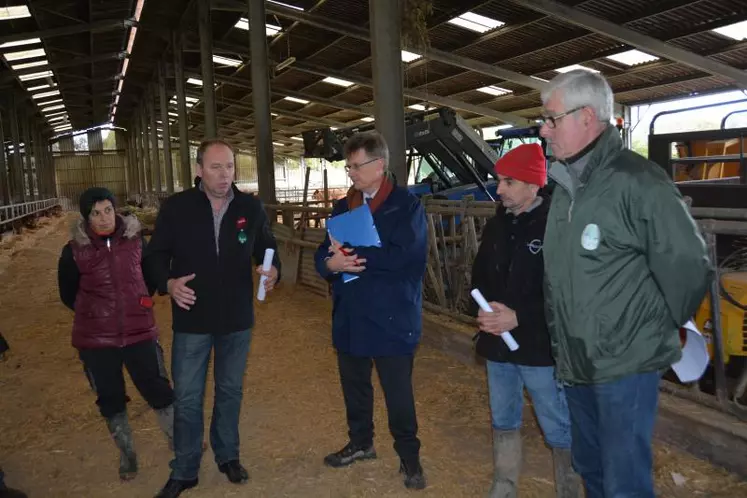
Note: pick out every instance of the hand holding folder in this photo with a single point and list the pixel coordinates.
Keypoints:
(354, 228)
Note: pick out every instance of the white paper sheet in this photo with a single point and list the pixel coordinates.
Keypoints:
(694, 361)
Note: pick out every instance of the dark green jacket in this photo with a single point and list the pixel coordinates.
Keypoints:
(625, 266)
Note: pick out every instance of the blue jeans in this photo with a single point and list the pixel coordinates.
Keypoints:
(612, 426)
(506, 383)
(190, 355)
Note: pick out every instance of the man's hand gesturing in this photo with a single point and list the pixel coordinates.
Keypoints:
(182, 295)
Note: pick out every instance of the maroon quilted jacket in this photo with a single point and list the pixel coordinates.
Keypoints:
(113, 307)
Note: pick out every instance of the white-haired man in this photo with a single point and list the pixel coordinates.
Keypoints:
(625, 267)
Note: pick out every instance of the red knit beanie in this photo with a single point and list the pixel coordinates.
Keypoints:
(526, 163)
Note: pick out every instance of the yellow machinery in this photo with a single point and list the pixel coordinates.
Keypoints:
(733, 317)
(726, 148)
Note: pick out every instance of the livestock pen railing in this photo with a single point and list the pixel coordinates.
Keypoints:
(18, 212)
(454, 231)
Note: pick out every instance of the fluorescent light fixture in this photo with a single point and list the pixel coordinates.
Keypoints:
(45, 94)
(567, 69)
(14, 12)
(333, 128)
(736, 31)
(300, 139)
(53, 108)
(417, 107)
(18, 43)
(285, 5)
(273, 114)
(410, 56)
(278, 144)
(338, 81)
(504, 126)
(494, 90)
(58, 113)
(173, 114)
(41, 87)
(35, 76)
(191, 99)
(57, 118)
(44, 104)
(27, 65)
(194, 81)
(298, 101)
(270, 29)
(25, 54)
(634, 57)
(225, 61)
(63, 128)
(476, 22)
(367, 119)
(539, 79)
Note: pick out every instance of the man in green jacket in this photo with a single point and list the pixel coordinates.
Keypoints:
(625, 267)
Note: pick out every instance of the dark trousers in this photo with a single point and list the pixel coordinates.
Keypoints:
(190, 355)
(144, 362)
(395, 375)
(612, 427)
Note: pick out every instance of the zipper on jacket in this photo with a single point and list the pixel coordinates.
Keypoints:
(117, 303)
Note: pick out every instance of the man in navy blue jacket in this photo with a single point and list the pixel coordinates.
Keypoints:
(376, 318)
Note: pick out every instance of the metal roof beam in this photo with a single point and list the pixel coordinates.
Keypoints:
(105, 25)
(245, 84)
(636, 39)
(363, 34)
(420, 95)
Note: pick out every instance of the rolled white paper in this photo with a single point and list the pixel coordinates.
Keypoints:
(506, 336)
(266, 265)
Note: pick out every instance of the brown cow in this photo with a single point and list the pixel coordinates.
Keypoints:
(334, 193)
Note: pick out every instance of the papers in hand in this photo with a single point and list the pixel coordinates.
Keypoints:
(694, 361)
(355, 228)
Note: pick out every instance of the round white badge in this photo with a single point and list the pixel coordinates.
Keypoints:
(590, 237)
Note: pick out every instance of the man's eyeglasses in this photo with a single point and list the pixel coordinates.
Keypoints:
(552, 121)
(356, 167)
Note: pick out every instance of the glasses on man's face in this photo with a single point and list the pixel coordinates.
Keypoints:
(356, 167)
(552, 121)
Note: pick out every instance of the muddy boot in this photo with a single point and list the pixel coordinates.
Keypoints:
(507, 463)
(567, 482)
(119, 427)
(166, 423)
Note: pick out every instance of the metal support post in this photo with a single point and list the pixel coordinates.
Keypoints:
(4, 184)
(386, 21)
(261, 102)
(719, 369)
(168, 167)
(156, 173)
(147, 183)
(16, 171)
(185, 168)
(206, 63)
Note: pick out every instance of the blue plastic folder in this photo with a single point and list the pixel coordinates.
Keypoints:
(355, 228)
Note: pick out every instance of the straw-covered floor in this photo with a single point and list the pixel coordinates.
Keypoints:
(53, 443)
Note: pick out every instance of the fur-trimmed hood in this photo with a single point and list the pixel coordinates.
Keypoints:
(128, 226)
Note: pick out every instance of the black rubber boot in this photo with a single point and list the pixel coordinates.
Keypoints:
(119, 427)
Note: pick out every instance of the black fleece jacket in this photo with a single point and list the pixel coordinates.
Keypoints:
(184, 243)
(509, 269)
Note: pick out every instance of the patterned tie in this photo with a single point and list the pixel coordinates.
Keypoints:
(368, 200)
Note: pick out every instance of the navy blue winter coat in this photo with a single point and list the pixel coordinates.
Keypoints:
(379, 314)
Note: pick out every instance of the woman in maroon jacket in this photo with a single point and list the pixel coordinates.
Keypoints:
(101, 279)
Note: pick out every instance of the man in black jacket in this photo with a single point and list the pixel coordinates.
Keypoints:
(201, 255)
(509, 272)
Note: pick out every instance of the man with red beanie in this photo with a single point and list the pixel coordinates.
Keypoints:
(509, 271)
